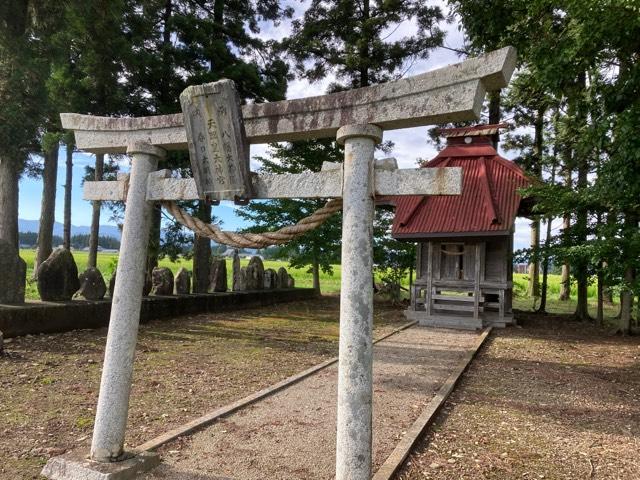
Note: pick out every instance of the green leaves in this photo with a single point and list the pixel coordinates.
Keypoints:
(579, 67)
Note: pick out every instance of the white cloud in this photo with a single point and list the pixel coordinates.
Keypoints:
(522, 235)
(409, 145)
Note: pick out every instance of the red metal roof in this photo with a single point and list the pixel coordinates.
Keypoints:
(489, 201)
(474, 131)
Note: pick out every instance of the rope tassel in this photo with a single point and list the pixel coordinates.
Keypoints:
(254, 240)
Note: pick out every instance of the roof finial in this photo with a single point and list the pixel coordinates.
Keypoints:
(473, 131)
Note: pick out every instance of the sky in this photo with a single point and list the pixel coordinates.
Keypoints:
(409, 144)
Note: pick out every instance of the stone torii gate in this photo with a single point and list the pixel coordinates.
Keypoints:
(357, 118)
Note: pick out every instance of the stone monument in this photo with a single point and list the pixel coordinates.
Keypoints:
(161, 281)
(92, 285)
(182, 282)
(58, 276)
(218, 275)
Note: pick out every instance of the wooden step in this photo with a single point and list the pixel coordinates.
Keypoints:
(453, 306)
(455, 298)
(460, 323)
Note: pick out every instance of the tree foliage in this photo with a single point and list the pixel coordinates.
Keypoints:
(177, 43)
(350, 39)
(579, 64)
(25, 58)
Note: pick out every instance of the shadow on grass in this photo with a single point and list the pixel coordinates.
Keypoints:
(579, 386)
(565, 329)
(579, 398)
(296, 326)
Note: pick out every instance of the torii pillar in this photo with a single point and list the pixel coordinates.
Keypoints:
(355, 353)
(357, 118)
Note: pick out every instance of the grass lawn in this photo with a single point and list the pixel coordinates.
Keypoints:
(185, 367)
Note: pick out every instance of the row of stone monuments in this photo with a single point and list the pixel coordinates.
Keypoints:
(252, 277)
(58, 279)
(255, 277)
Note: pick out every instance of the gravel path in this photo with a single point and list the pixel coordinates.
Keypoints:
(292, 434)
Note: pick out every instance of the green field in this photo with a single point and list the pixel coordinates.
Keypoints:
(107, 264)
(331, 283)
(522, 301)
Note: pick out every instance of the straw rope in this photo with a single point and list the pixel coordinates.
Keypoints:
(254, 240)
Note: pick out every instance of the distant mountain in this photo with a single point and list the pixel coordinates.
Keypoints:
(105, 230)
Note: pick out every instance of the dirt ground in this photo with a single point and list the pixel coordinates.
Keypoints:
(551, 400)
(292, 434)
(184, 368)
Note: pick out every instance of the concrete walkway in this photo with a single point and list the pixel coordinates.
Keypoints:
(292, 433)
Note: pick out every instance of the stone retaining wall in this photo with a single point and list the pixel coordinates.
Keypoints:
(49, 317)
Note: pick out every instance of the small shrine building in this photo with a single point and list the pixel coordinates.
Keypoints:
(464, 249)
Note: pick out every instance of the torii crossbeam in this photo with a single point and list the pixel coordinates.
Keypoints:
(357, 118)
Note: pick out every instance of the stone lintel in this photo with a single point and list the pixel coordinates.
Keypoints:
(324, 184)
(452, 93)
(74, 466)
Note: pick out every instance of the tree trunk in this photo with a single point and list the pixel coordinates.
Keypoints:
(153, 251)
(364, 46)
(600, 285)
(48, 206)
(315, 268)
(600, 314)
(494, 114)
(565, 278)
(608, 295)
(626, 294)
(410, 278)
(612, 219)
(66, 232)
(536, 170)
(9, 202)
(534, 265)
(582, 279)
(547, 242)
(582, 307)
(14, 268)
(95, 216)
(581, 161)
(607, 290)
(202, 253)
(545, 269)
(626, 301)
